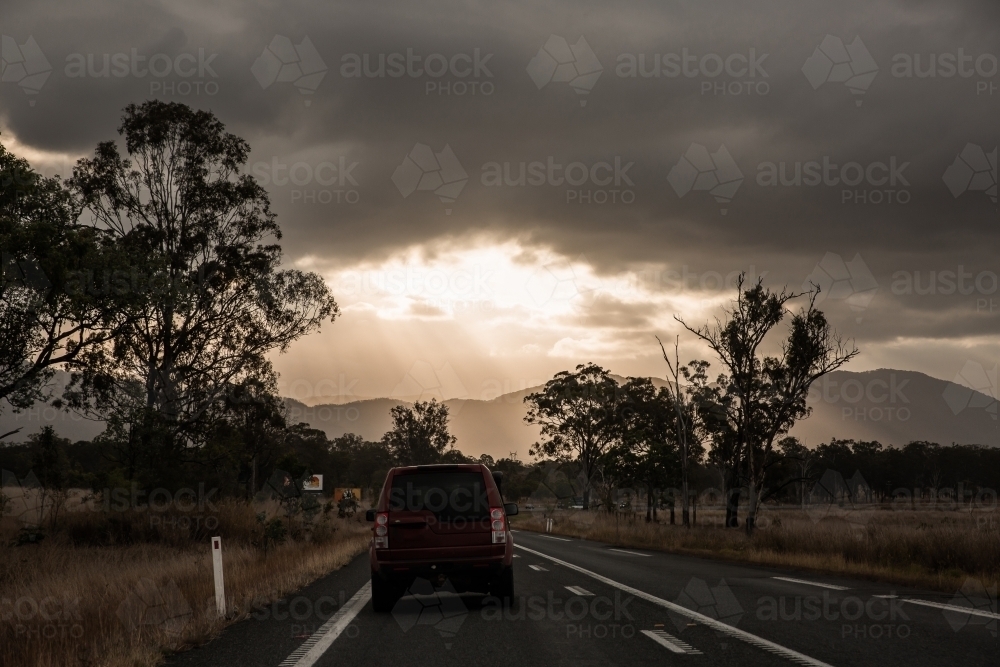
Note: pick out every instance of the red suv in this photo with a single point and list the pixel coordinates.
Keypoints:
(441, 523)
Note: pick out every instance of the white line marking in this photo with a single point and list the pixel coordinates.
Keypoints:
(886, 597)
(954, 607)
(516, 556)
(719, 626)
(671, 642)
(630, 553)
(538, 568)
(561, 539)
(316, 645)
(576, 590)
(813, 583)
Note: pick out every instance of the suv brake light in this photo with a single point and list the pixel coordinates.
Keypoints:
(498, 525)
(382, 530)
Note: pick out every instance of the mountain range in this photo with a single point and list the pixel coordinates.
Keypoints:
(894, 407)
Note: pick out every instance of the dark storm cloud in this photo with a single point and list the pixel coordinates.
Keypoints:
(630, 134)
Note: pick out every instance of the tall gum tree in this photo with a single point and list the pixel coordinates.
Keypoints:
(769, 392)
(579, 417)
(206, 300)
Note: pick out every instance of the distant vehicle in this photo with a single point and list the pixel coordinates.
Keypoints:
(441, 523)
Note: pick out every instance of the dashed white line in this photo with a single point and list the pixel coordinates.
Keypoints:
(552, 537)
(954, 607)
(673, 643)
(832, 587)
(719, 626)
(630, 553)
(577, 590)
(317, 644)
(538, 568)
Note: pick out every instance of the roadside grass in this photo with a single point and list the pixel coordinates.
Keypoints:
(124, 589)
(934, 549)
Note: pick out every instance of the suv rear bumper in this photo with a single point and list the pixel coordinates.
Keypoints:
(465, 567)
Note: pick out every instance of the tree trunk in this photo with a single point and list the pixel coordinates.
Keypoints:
(685, 513)
(253, 477)
(732, 507)
(673, 504)
(752, 505)
(694, 510)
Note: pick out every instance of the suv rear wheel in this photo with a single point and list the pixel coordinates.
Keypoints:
(384, 594)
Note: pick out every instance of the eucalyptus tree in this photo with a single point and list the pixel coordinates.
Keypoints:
(769, 392)
(204, 299)
(578, 413)
(419, 434)
(647, 454)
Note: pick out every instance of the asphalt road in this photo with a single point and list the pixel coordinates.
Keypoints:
(585, 603)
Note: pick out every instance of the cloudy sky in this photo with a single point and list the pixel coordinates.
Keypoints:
(499, 191)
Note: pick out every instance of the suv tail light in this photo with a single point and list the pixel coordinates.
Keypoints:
(498, 525)
(382, 530)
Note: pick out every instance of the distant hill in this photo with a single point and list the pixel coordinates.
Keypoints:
(892, 406)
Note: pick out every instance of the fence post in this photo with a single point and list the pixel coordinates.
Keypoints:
(220, 587)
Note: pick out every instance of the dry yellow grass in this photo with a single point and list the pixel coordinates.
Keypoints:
(933, 549)
(66, 605)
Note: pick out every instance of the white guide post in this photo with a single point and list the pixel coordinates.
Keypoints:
(220, 587)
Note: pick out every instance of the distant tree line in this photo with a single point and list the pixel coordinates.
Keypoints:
(419, 435)
(730, 433)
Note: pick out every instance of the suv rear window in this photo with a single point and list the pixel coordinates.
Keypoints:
(449, 495)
